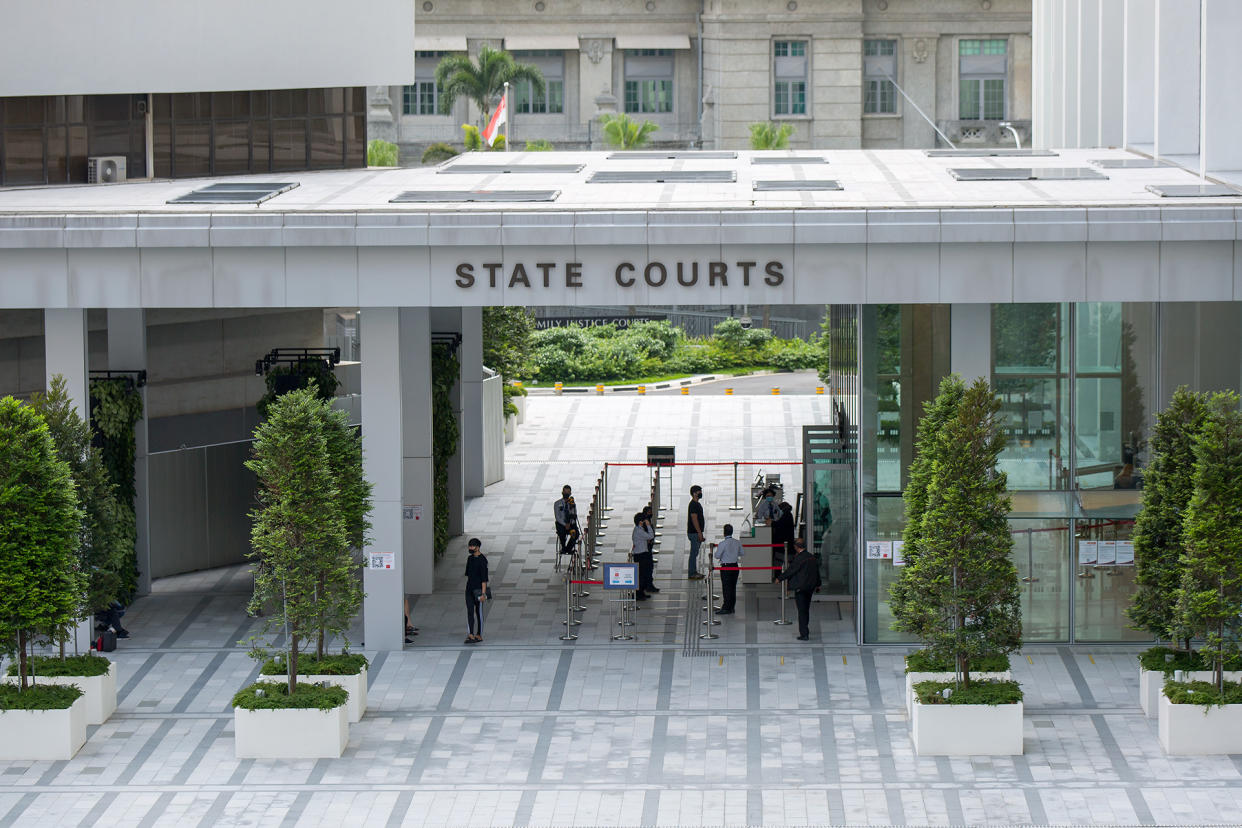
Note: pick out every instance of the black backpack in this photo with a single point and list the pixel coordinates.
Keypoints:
(106, 642)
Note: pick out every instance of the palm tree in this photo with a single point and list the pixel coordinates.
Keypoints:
(623, 132)
(766, 135)
(482, 82)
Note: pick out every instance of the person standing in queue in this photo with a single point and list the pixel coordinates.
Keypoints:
(802, 573)
(476, 590)
(641, 555)
(649, 516)
(767, 511)
(729, 553)
(694, 530)
(565, 513)
(783, 535)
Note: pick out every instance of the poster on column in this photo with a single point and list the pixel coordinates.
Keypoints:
(1125, 553)
(879, 550)
(899, 553)
(1087, 552)
(1107, 553)
(381, 560)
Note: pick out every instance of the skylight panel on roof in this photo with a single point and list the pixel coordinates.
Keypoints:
(662, 176)
(416, 196)
(998, 152)
(703, 155)
(497, 169)
(1192, 190)
(235, 192)
(1026, 174)
(788, 159)
(1129, 163)
(795, 186)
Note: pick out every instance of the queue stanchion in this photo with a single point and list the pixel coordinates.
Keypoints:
(606, 507)
(570, 622)
(735, 507)
(784, 594)
(711, 620)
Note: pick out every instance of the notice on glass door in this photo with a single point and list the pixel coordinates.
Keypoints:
(1107, 553)
(899, 553)
(1125, 553)
(1087, 552)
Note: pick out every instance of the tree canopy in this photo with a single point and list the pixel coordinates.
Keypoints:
(623, 132)
(766, 135)
(482, 80)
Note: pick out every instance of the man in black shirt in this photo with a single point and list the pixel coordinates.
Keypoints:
(565, 513)
(802, 573)
(695, 525)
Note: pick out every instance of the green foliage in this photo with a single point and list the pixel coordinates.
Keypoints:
(79, 665)
(116, 406)
(791, 354)
(1167, 660)
(624, 133)
(1207, 694)
(509, 392)
(960, 591)
(766, 135)
(539, 146)
(1209, 600)
(40, 524)
(270, 695)
(921, 661)
(979, 692)
(1168, 484)
(482, 80)
(381, 153)
(445, 432)
(39, 696)
(439, 151)
(299, 537)
(507, 334)
(315, 372)
(344, 664)
(105, 550)
(471, 138)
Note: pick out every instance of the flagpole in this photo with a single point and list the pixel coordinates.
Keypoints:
(508, 115)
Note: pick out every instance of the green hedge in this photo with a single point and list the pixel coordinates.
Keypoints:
(345, 664)
(1166, 660)
(1202, 692)
(39, 696)
(979, 692)
(82, 665)
(920, 661)
(271, 695)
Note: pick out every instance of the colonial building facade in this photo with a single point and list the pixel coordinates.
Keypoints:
(846, 74)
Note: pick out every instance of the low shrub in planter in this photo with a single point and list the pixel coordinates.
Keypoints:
(39, 696)
(1203, 693)
(344, 664)
(921, 661)
(978, 692)
(1167, 659)
(82, 665)
(270, 695)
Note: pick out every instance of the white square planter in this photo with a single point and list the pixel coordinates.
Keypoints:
(43, 734)
(915, 678)
(290, 734)
(355, 684)
(1195, 730)
(99, 692)
(510, 428)
(520, 404)
(967, 729)
(1151, 686)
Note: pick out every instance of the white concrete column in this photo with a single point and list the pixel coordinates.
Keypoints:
(1177, 78)
(1088, 116)
(970, 341)
(449, 320)
(1110, 93)
(1140, 69)
(471, 358)
(396, 459)
(65, 352)
(127, 351)
(1222, 114)
(1072, 68)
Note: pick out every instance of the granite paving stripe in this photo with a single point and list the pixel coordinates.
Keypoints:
(1141, 810)
(664, 686)
(200, 684)
(399, 809)
(1035, 805)
(454, 681)
(1118, 759)
(136, 679)
(186, 622)
(156, 813)
(1076, 676)
(200, 750)
(155, 740)
(557, 692)
(212, 816)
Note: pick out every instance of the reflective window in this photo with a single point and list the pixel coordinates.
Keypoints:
(790, 70)
(1104, 581)
(649, 80)
(879, 72)
(1041, 553)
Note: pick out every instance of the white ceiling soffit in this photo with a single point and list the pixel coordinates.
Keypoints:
(527, 43)
(445, 43)
(653, 41)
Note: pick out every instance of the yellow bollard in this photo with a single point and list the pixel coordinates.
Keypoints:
(819, 389)
(517, 383)
(685, 391)
(599, 389)
(558, 388)
(642, 389)
(728, 392)
(776, 390)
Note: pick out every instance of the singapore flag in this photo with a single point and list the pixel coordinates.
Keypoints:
(500, 116)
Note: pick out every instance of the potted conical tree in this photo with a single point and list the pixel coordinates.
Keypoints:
(39, 585)
(1201, 717)
(960, 594)
(298, 535)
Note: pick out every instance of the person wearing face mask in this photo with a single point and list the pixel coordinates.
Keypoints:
(767, 511)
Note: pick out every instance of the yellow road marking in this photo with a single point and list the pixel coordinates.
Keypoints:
(721, 662)
(843, 661)
(782, 661)
(1030, 660)
(1089, 658)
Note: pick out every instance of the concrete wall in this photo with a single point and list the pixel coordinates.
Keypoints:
(84, 47)
(493, 430)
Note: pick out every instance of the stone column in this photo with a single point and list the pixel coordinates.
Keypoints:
(396, 459)
(1222, 117)
(1177, 78)
(970, 337)
(471, 358)
(127, 351)
(1140, 71)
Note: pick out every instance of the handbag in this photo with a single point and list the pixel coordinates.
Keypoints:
(478, 593)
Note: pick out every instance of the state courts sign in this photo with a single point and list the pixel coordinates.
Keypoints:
(534, 275)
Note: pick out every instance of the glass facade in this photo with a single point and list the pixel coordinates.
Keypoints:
(1079, 385)
(47, 140)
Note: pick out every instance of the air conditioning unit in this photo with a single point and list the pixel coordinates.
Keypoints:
(105, 169)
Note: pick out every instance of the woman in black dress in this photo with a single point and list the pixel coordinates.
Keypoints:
(476, 590)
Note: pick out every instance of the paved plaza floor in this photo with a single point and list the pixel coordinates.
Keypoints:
(753, 728)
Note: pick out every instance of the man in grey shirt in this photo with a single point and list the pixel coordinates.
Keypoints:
(729, 553)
